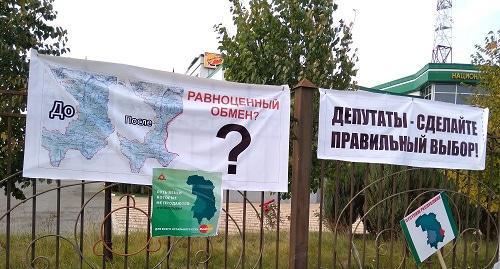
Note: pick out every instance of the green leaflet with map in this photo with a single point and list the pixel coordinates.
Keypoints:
(185, 203)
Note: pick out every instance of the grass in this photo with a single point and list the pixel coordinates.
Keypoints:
(178, 258)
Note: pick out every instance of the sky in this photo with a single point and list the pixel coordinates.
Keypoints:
(394, 38)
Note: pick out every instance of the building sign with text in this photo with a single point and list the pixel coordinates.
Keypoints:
(212, 60)
(465, 76)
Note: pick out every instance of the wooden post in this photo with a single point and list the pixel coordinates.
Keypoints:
(441, 260)
(301, 173)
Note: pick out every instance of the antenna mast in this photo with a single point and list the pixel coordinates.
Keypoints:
(442, 51)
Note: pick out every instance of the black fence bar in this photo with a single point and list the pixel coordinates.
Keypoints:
(433, 262)
(488, 227)
(58, 223)
(226, 231)
(33, 221)
(365, 209)
(336, 174)
(488, 203)
(449, 186)
(82, 220)
(278, 220)
(244, 224)
(466, 224)
(188, 260)
(349, 224)
(391, 252)
(409, 179)
(261, 235)
(127, 226)
(377, 254)
(454, 250)
(320, 217)
(380, 196)
(107, 255)
(477, 233)
(148, 235)
(498, 234)
(207, 252)
(169, 253)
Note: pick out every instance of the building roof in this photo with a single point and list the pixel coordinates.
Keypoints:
(361, 88)
(432, 73)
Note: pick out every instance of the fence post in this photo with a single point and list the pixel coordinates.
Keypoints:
(301, 173)
(108, 255)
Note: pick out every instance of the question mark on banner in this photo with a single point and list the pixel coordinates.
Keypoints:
(255, 115)
(244, 143)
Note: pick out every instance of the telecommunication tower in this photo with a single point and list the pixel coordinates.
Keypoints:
(442, 51)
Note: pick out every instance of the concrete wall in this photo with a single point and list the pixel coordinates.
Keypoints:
(46, 209)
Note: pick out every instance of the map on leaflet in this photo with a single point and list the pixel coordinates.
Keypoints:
(204, 205)
(435, 233)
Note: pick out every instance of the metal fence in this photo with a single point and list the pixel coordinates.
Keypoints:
(355, 225)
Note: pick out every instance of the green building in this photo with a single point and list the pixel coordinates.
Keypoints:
(452, 83)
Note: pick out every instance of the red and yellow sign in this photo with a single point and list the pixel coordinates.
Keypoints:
(212, 60)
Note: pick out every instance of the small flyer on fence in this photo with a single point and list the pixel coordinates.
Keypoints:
(430, 227)
(185, 203)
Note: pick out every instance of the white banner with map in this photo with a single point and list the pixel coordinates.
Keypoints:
(99, 121)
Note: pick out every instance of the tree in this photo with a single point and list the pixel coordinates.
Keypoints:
(487, 57)
(24, 25)
(282, 41)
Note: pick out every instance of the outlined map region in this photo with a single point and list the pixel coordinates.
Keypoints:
(435, 233)
(204, 205)
(166, 101)
(92, 126)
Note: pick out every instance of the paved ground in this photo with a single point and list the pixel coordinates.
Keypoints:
(138, 221)
(46, 208)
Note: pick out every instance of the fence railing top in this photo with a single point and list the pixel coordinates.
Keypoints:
(305, 83)
(23, 92)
